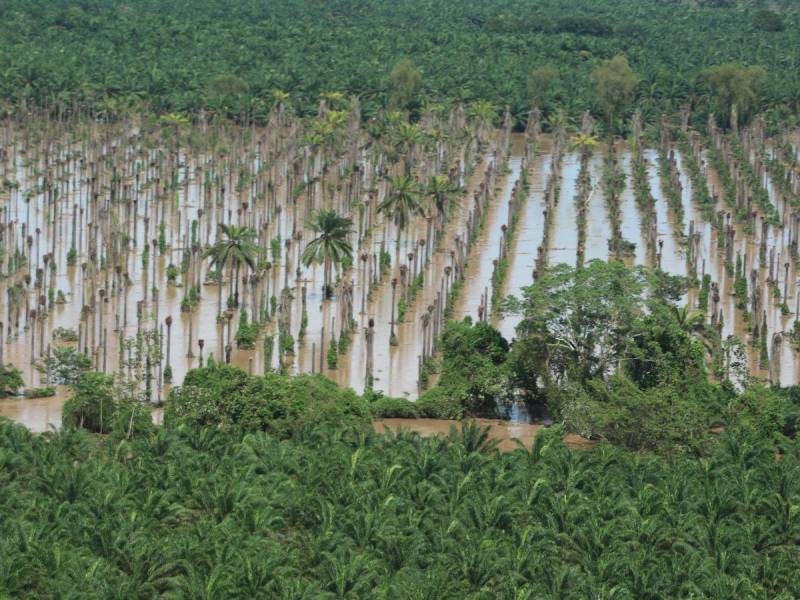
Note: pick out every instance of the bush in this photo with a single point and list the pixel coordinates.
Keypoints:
(10, 380)
(97, 407)
(41, 392)
(247, 333)
(65, 365)
(398, 408)
(440, 403)
(224, 396)
(64, 334)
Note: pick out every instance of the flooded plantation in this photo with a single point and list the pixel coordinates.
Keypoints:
(152, 247)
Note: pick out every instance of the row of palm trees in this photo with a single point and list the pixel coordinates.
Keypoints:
(333, 513)
(236, 246)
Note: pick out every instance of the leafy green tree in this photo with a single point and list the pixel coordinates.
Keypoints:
(330, 244)
(405, 81)
(540, 83)
(581, 318)
(96, 405)
(615, 87)
(732, 85)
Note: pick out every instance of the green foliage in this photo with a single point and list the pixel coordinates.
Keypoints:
(473, 377)
(214, 513)
(226, 397)
(540, 82)
(247, 333)
(615, 85)
(162, 238)
(65, 365)
(97, 407)
(172, 273)
(404, 84)
(47, 391)
(733, 85)
(767, 20)
(10, 380)
(394, 408)
(332, 357)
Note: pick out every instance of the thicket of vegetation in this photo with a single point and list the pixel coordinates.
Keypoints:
(233, 58)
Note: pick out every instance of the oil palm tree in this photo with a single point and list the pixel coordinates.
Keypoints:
(402, 201)
(235, 247)
(330, 244)
(439, 190)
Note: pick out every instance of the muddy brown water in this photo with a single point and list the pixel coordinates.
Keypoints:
(504, 433)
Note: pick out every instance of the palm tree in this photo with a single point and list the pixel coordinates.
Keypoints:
(439, 190)
(330, 244)
(402, 201)
(237, 248)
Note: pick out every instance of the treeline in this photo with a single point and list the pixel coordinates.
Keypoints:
(111, 56)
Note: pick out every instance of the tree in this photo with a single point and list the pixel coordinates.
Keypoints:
(331, 245)
(402, 201)
(615, 86)
(236, 248)
(404, 84)
(580, 318)
(439, 190)
(732, 85)
(540, 80)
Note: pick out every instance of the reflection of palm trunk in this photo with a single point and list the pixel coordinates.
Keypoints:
(189, 353)
(236, 286)
(219, 296)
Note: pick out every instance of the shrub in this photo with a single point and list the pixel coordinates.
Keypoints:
(97, 407)
(440, 403)
(10, 380)
(224, 396)
(41, 392)
(399, 408)
(65, 365)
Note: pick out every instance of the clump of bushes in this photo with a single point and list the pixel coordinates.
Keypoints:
(47, 391)
(10, 380)
(65, 334)
(226, 397)
(247, 333)
(474, 376)
(385, 407)
(99, 407)
(65, 365)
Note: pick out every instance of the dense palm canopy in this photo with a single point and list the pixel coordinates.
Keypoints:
(211, 56)
(205, 513)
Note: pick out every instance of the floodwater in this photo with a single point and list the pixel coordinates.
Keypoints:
(506, 434)
(109, 192)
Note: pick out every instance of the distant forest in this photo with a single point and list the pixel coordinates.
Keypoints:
(111, 56)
